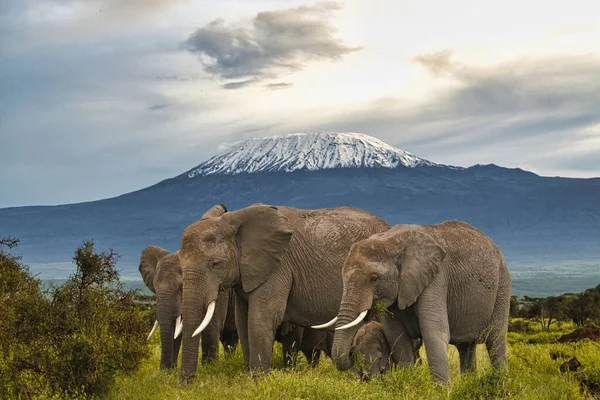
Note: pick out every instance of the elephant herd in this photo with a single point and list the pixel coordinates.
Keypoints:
(317, 280)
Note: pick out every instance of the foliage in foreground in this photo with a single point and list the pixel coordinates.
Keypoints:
(533, 374)
(72, 340)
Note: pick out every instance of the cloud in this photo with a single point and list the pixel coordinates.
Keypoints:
(56, 22)
(157, 107)
(279, 86)
(537, 109)
(436, 62)
(239, 84)
(275, 42)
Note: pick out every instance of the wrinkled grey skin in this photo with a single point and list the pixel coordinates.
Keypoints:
(370, 345)
(309, 341)
(161, 273)
(284, 264)
(447, 283)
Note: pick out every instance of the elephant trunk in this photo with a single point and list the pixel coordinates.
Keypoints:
(350, 311)
(197, 295)
(166, 319)
(167, 328)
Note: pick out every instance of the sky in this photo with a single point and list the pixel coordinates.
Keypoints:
(103, 97)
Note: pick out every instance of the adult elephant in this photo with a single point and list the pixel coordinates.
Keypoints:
(161, 273)
(284, 263)
(447, 283)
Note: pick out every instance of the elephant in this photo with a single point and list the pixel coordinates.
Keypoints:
(284, 264)
(309, 341)
(161, 273)
(446, 283)
(370, 344)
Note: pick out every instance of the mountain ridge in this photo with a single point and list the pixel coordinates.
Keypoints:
(536, 221)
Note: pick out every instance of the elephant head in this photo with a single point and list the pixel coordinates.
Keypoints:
(390, 267)
(370, 344)
(238, 248)
(161, 273)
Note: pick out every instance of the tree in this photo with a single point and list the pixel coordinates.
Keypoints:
(585, 306)
(548, 310)
(72, 340)
(514, 307)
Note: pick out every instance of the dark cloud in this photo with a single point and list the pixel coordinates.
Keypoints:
(275, 42)
(157, 107)
(239, 84)
(278, 86)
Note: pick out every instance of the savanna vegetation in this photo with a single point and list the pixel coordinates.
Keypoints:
(87, 339)
(67, 341)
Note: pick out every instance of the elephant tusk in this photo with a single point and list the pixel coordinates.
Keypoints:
(353, 323)
(326, 325)
(153, 329)
(178, 326)
(209, 313)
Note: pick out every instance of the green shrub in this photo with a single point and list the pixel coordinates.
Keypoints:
(73, 340)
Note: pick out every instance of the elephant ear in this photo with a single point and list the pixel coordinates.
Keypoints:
(263, 236)
(418, 263)
(216, 211)
(149, 259)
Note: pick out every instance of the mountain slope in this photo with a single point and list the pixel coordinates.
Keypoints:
(536, 221)
(307, 151)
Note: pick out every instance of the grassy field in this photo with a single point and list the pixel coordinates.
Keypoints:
(534, 361)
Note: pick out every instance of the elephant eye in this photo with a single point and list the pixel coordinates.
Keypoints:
(373, 278)
(215, 263)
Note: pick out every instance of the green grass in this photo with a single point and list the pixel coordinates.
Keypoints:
(533, 374)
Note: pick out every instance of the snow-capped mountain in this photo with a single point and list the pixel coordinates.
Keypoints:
(307, 151)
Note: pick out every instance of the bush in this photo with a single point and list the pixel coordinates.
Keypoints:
(73, 340)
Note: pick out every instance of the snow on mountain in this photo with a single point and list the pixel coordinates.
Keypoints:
(307, 151)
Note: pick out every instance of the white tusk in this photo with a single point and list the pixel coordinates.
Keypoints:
(209, 313)
(353, 323)
(153, 329)
(327, 325)
(178, 326)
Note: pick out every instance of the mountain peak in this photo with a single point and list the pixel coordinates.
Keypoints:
(307, 151)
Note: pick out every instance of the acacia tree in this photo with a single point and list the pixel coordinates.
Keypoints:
(585, 306)
(548, 310)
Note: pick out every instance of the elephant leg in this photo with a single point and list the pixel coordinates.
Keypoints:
(210, 344)
(266, 308)
(313, 342)
(229, 339)
(289, 344)
(495, 344)
(313, 356)
(176, 347)
(468, 356)
(436, 346)
(241, 321)
(436, 337)
(416, 346)
(400, 344)
(212, 334)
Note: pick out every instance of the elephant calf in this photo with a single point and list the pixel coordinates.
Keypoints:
(370, 344)
(309, 341)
